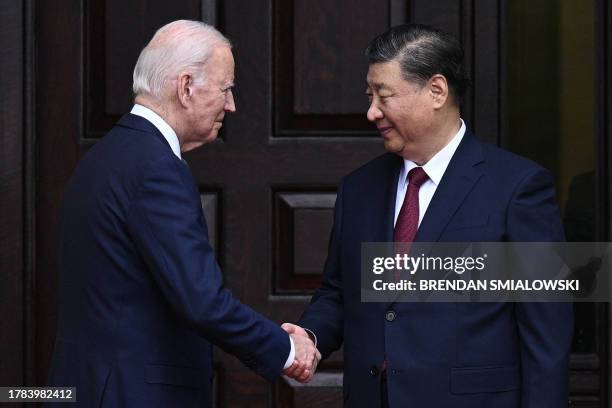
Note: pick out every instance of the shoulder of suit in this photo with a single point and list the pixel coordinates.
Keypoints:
(140, 137)
(384, 164)
(130, 152)
(138, 144)
(504, 161)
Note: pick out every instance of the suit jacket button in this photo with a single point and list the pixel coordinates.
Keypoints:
(390, 316)
(373, 371)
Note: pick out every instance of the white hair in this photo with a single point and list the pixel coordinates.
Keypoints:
(182, 45)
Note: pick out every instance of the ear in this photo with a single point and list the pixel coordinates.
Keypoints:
(438, 89)
(184, 91)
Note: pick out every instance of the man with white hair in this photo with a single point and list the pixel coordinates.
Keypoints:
(141, 295)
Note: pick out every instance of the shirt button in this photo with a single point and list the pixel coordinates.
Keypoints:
(390, 316)
(373, 371)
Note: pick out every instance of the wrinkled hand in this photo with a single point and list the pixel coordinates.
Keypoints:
(307, 357)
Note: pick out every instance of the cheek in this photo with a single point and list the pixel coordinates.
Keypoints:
(206, 115)
(414, 115)
(205, 105)
(398, 112)
(400, 117)
(214, 110)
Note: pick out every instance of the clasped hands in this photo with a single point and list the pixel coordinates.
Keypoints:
(307, 356)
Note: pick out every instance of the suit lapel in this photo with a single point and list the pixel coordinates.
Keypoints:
(391, 194)
(383, 231)
(459, 178)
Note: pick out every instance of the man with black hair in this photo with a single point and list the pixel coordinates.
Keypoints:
(437, 183)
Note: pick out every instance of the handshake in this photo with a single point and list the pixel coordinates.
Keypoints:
(307, 356)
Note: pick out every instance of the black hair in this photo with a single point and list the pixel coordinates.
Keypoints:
(422, 52)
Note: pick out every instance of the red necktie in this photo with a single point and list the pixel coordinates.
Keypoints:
(408, 219)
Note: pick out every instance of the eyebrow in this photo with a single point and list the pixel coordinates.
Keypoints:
(376, 85)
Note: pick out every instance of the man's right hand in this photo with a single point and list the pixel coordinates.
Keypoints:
(307, 357)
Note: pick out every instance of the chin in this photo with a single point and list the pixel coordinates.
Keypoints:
(209, 137)
(212, 136)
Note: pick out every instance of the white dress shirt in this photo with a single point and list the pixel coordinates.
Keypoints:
(434, 168)
(161, 125)
(170, 135)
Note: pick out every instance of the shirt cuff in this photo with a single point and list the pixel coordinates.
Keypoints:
(291, 355)
(312, 336)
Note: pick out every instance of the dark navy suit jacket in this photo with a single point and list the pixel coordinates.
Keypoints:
(141, 295)
(460, 355)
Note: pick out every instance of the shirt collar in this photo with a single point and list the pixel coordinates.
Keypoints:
(167, 132)
(436, 166)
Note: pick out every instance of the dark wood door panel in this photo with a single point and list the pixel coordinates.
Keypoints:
(325, 390)
(58, 122)
(12, 205)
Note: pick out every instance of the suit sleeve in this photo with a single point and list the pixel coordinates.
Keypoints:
(325, 314)
(545, 329)
(167, 226)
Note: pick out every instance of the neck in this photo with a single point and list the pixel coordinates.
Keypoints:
(164, 112)
(437, 139)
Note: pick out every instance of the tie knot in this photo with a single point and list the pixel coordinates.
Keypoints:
(417, 176)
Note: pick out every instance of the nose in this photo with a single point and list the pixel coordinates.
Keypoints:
(230, 104)
(374, 113)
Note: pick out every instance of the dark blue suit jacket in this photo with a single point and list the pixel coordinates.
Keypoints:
(460, 355)
(141, 295)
